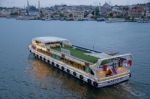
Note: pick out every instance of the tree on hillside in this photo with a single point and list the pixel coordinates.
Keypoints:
(110, 15)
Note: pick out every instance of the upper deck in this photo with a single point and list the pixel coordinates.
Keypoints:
(50, 39)
(61, 46)
(101, 64)
(78, 53)
(64, 46)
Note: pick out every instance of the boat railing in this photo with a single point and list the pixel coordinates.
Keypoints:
(85, 49)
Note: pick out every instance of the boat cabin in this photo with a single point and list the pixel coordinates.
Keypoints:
(113, 65)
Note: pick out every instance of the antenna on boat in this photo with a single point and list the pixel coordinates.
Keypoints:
(93, 44)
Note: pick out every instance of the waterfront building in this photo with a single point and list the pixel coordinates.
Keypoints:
(105, 9)
(5, 12)
(136, 11)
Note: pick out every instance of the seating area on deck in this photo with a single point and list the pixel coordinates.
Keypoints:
(104, 74)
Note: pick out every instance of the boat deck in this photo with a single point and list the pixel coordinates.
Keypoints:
(120, 72)
(81, 54)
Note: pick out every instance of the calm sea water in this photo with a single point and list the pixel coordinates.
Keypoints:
(23, 77)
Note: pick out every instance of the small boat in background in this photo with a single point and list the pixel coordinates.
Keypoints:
(113, 20)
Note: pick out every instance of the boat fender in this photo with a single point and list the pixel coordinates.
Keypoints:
(95, 84)
(53, 63)
(57, 65)
(89, 81)
(81, 77)
(44, 59)
(40, 57)
(130, 75)
(74, 73)
(68, 70)
(62, 68)
(35, 55)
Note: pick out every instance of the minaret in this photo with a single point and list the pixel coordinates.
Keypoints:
(27, 8)
(39, 5)
(28, 4)
(99, 8)
(40, 13)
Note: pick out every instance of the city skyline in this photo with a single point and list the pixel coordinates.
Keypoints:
(47, 3)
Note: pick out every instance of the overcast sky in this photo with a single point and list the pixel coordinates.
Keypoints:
(44, 3)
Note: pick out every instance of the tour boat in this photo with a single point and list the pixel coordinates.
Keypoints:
(98, 69)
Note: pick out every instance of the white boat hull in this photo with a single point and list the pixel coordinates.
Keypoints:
(78, 73)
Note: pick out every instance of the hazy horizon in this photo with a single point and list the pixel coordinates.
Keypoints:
(47, 3)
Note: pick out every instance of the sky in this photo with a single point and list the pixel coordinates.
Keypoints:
(47, 3)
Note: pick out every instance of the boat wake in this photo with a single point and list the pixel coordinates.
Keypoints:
(133, 91)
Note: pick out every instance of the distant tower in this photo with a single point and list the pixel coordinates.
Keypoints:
(39, 5)
(99, 8)
(109, 2)
(24, 7)
(28, 4)
(27, 8)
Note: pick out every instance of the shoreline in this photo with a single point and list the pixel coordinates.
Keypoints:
(106, 21)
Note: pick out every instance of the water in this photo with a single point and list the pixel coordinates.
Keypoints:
(23, 77)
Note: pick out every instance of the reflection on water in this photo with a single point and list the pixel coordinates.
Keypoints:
(49, 76)
(40, 70)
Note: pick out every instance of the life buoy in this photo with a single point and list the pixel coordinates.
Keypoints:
(129, 62)
(34, 47)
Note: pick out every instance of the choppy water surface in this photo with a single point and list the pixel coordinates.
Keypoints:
(23, 77)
